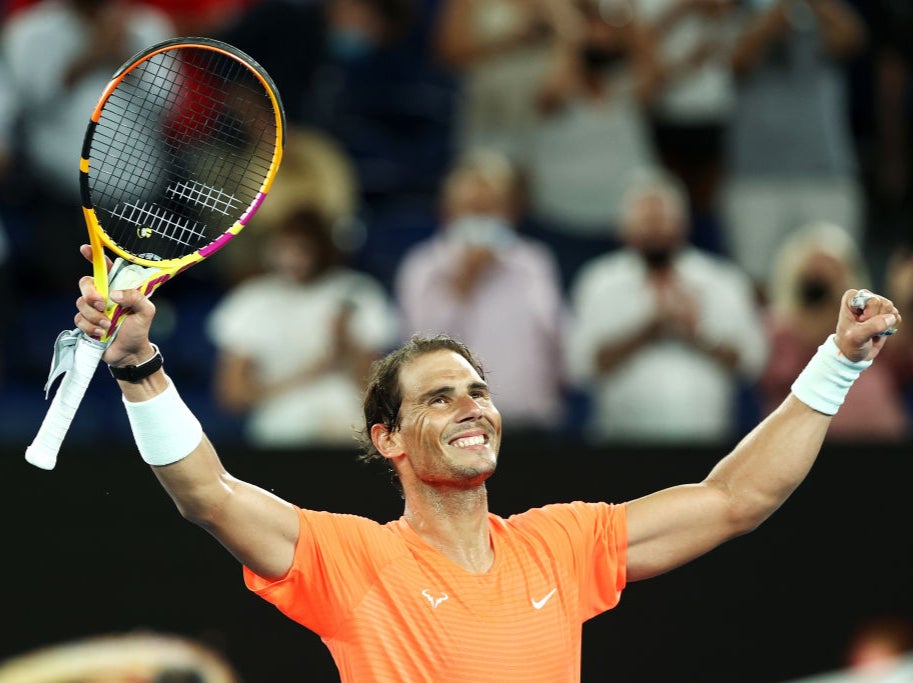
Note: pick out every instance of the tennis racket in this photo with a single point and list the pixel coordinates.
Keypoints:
(179, 154)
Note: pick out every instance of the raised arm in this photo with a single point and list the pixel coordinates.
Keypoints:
(258, 528)
(671, 527)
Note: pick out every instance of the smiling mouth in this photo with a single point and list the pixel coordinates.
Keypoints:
(470, 441)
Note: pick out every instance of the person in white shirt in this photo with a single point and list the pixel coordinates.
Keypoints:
(59, 55)
(296, 343)
(663, 333)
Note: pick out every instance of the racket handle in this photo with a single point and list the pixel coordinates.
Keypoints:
(43, 450)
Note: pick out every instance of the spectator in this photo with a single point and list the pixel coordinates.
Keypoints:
(593, 130)
(899, 284)
(60, 54)
(693, 108)
(663, 333)
(500, 49)
(306, 392)
(888, 142)
(877, 649)
(791, 158)
(6, 256)
(880, 650)
(315, 174)
(133, 657)
(813, 263)
(306, 46)
(499, 292)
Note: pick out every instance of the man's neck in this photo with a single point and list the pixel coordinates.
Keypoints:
(455, 522)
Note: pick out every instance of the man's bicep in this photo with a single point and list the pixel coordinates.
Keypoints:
(674, 526)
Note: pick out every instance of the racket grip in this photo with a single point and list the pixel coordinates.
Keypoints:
(44, 448)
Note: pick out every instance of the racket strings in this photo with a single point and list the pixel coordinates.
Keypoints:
(180, 150)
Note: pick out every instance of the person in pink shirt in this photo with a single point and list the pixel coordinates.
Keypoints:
(812, 268)
(480, 281)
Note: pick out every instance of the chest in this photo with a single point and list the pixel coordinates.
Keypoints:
(520, 620)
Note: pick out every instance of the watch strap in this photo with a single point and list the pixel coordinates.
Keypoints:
(136, 373)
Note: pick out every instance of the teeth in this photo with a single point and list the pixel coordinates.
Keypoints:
(470, 441)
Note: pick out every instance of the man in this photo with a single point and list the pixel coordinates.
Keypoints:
(685, 324)
(790, 151)
(59, 56)
(450, 592)
(464, 281)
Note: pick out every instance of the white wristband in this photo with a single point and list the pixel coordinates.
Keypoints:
(163, 427)
(827, 378)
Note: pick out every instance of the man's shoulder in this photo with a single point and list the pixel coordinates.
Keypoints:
(608, 269)
(574, 513)
(345, 529)
(713, 265)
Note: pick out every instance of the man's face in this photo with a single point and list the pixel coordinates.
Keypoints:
(450, 430)
(292, 256)
(474, 195)
(654, 226)
(821, 281)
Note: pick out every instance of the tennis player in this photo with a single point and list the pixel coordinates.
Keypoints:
(450, 591)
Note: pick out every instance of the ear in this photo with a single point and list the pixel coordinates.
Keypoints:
(388, 443)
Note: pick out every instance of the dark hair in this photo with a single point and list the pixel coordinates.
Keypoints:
(399, 17)
(310, 224)
(384, 396)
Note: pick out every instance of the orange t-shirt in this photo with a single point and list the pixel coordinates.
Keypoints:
(392, 608)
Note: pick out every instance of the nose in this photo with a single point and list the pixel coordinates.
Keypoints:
(469, 409)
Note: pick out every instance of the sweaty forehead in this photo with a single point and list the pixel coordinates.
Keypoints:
(435, 369)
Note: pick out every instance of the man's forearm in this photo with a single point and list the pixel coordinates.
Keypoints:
(771, 461)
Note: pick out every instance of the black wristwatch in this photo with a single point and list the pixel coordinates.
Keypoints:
(136, 373)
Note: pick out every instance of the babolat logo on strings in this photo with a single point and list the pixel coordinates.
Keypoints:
(153, 220)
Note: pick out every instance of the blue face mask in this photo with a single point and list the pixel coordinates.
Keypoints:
(481, 231)
(350, 44)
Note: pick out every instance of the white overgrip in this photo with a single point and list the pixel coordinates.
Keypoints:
(44, 448)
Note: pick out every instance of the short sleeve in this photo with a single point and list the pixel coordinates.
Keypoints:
(337, 559)
(591, 541)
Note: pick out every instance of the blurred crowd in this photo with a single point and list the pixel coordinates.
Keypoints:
(641, 214)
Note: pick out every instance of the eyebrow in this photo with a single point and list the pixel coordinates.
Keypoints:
(447, 390)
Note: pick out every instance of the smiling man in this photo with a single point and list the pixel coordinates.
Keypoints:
(450, 591)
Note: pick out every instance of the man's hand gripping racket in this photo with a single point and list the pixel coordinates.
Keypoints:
(179, 153)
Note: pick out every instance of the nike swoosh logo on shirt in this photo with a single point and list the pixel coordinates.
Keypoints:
(539, 604)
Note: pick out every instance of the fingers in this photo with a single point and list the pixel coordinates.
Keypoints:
(86, 251)
(877, 314)
(865, 321)
(91, 317)
(91, 306)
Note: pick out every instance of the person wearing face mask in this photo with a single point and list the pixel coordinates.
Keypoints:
(664, 335)
(479, 280)
(311, 48)
(307, 392)
(814, 263)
